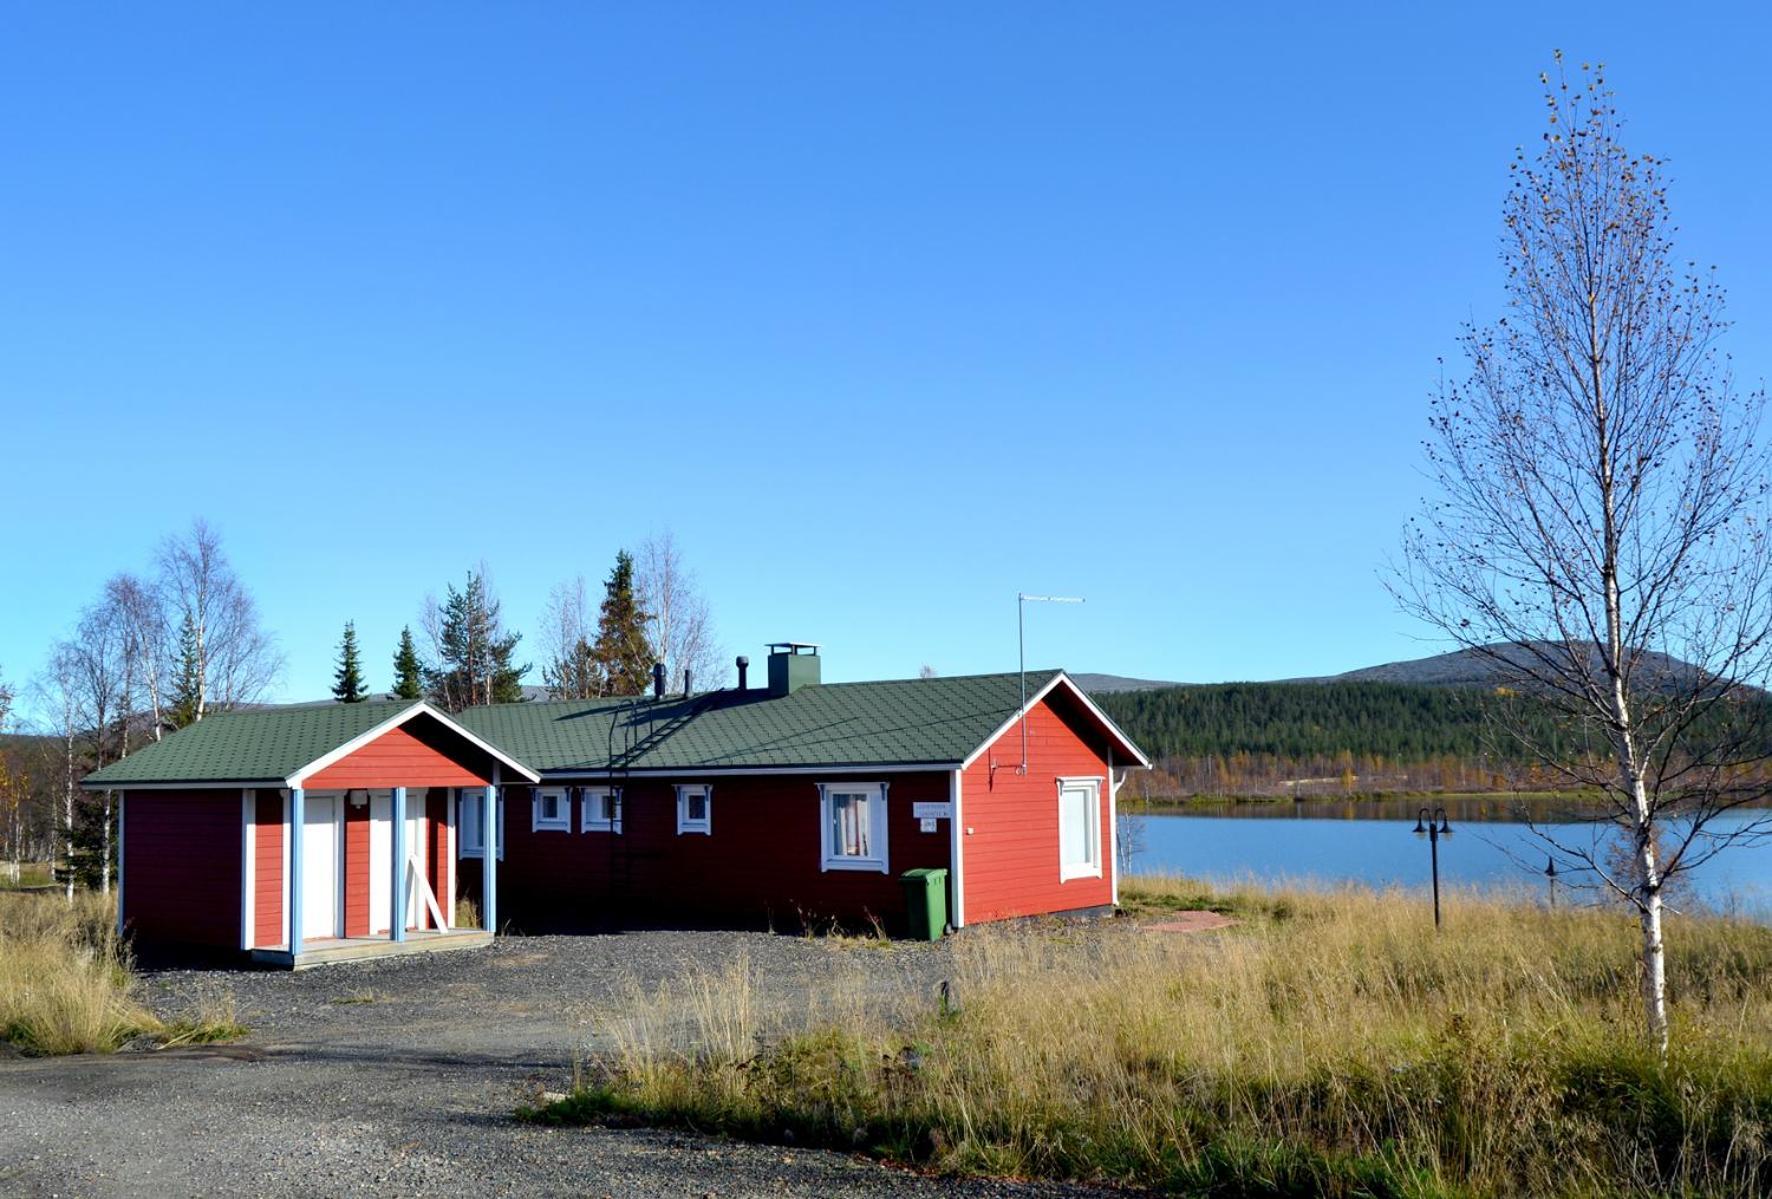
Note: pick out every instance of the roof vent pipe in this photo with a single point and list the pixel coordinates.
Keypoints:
(658, 680)
(688, 682)
(744, 666)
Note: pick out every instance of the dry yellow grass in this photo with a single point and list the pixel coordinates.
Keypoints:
(67, 985)
(1328, 1043)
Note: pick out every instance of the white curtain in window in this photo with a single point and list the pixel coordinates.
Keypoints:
(849, 825)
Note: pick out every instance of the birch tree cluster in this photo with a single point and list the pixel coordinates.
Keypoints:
(154, 651)
(652, 611)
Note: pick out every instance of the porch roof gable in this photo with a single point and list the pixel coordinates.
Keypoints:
(276, 746)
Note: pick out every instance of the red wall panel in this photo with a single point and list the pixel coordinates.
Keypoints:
(419, 753)
(267, 881)
(1010, 855)
(356, 869)
(761, 862)
(182, 861)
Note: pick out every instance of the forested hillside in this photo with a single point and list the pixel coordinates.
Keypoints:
(1312, 738)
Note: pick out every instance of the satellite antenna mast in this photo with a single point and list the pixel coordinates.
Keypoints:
(1022, 600)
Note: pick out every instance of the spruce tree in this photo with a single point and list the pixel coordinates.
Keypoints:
(347, 681)
(623, 659)
(474, 653)
(408, 673)
(188, 685)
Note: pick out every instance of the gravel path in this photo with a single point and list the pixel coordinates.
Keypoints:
(400, 1076)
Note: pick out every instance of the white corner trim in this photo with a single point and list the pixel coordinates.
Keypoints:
(957, 833)
(248, 868)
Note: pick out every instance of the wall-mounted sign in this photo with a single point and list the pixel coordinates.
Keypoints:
(928, 824)
(932, 811)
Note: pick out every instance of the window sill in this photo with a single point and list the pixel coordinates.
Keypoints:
(551, 828)
(1071, 874)
(602, 826)
(693, 830)
(867, 864)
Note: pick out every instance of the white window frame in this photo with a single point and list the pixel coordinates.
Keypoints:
(590, 800)
(830, 856)
(467, 839)
(1091, 868)
(704, 826)
(561, 820)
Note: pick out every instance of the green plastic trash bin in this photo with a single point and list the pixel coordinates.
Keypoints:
(926, 900)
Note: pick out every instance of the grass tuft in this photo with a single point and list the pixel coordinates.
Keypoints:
(67, 984)
(1327, 1044)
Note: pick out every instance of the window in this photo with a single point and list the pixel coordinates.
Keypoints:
(467, 824)
(552, 810)
(853, 816)
(1079, 829)
(601, 808)
(695, 810)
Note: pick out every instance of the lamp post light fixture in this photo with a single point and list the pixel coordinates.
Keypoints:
(1550, 874)
(1433, 826)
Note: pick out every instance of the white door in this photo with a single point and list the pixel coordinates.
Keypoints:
(417, 916)
(381, 810)
(322, 841)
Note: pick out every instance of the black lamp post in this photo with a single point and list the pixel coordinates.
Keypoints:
(1433, 826)
(1550, 873)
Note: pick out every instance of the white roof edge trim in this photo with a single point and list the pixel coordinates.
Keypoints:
(395, 721)
(601, 774)
(1035, 699)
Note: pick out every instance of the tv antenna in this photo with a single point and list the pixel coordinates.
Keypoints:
(1022, 600)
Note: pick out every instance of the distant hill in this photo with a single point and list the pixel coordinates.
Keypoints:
(1460, 668)
(1473, 668)
(1111, 684)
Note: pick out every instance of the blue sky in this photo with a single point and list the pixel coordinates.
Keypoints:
(887, 311)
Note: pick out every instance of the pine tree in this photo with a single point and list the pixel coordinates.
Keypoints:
(187, 688)
(347, 681)
(621, 654)
(408, 673)
(474, 653)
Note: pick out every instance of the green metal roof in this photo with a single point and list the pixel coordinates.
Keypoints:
(904, 722)
(256, 746)
(896, 723)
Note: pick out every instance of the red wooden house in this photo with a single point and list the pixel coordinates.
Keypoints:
(797, 802)
(805, 801)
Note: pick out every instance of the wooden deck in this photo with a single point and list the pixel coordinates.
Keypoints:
(328, 950)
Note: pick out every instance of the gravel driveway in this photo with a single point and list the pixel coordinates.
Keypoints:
(400, 1076)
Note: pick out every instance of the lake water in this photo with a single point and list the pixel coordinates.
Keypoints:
(1372, 842)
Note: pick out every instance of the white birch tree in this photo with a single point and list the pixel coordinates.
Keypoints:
(569, 668)
(1599, 531)
(236, 661)
(679, 626)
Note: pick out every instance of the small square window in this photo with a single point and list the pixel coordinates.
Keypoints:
(695, 810)
(469, 838)
(553, 810)
(601, 810)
